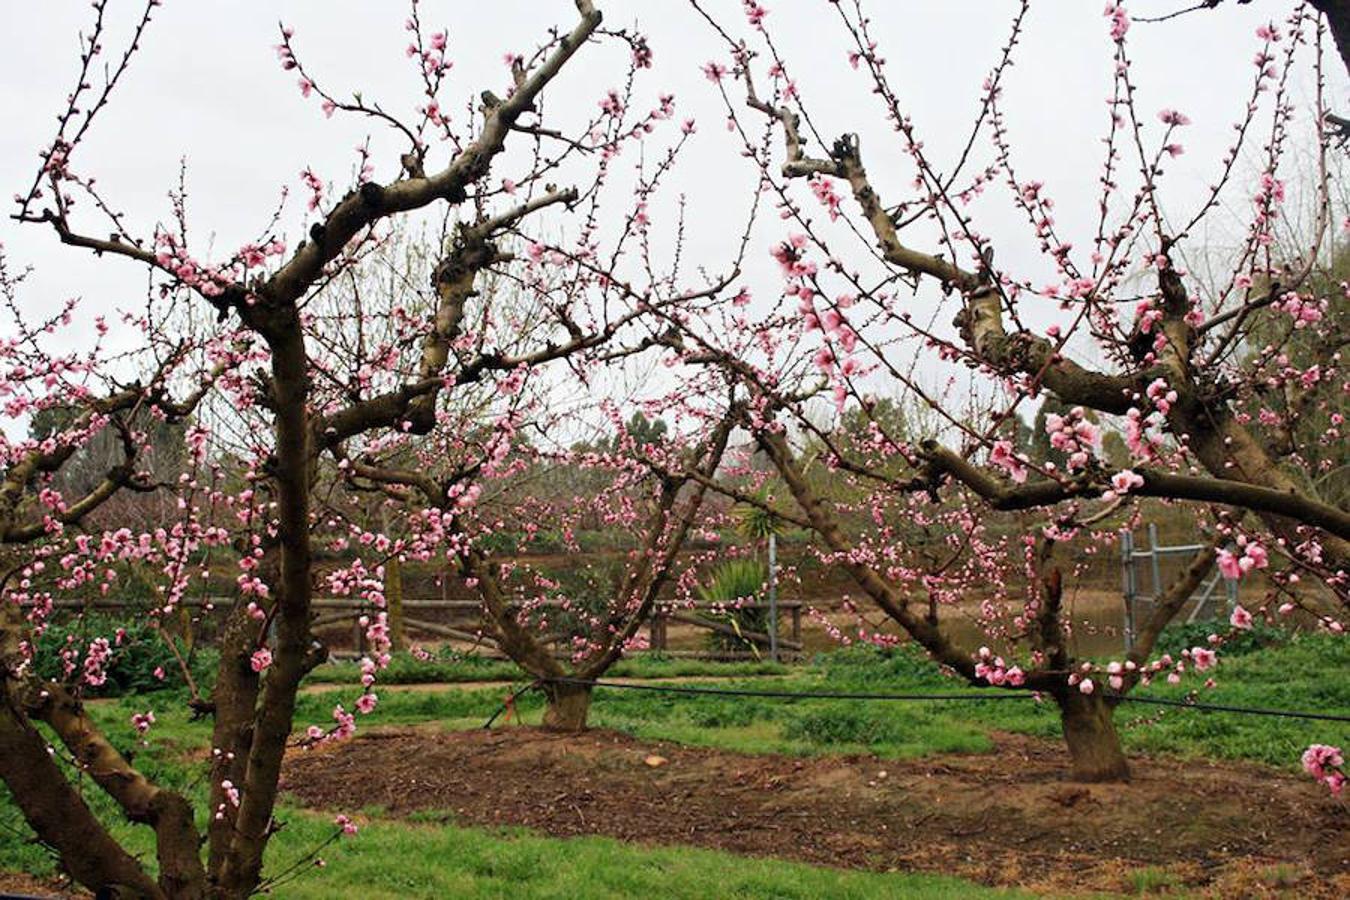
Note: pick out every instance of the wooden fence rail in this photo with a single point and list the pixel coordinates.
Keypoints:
(334, 610)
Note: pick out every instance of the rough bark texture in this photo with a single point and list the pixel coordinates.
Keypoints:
(234, 699)
(567, 707)
(1090, 732)
(292, 476)
(57, 813)
(177, 843)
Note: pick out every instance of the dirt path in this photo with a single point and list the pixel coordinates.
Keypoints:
(1007, 818)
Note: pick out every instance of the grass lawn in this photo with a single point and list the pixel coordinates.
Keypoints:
(401, 859)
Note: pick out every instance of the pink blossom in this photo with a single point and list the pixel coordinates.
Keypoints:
(1120, 21)
(1326, 764)
(261, 659)
(1126, 480)
(1002, 455)
(1203, 658)
(1240, 618)
(1173, 117)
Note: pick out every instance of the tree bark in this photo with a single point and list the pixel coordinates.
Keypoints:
(568, 705)
(57, 813)
(1090, 733)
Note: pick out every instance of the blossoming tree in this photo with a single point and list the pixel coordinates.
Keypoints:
(297, 394)
(1195, 377)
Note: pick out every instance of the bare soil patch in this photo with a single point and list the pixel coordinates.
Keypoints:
(1008, 818)
(18, 884)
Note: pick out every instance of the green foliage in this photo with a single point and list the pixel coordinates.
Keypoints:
(757, 523)
(435, 858)
(736, 581)
(1304, 673)
(865, 667)
(1182, 636)
(852, 723)
(134, 659)
(1152, 880)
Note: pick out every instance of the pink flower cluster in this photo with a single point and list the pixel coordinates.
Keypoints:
(1120, 20)
(823, 188)
(1123, 482)
(993, 669)
(1326, 764)
(315, 185)
(1161, 394)
(96, 661)
(1074, 436)
(1304, 311)
(1233, 566)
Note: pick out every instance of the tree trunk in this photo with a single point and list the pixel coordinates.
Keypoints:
(567, 706)
(1091, 735)
(57, 813)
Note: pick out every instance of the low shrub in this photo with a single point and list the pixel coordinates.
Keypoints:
(136, 656)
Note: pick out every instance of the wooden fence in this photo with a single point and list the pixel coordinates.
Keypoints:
(406, 615)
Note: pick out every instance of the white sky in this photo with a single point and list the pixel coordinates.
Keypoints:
(207, 87)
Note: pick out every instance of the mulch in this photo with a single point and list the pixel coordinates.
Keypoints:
(1006, 818)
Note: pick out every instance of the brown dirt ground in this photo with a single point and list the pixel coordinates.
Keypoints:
(1009, 818)
(17, 884)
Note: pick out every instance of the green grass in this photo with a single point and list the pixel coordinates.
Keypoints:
(397, 861)
(404, 668)
(1302, 674)
(1152, 880)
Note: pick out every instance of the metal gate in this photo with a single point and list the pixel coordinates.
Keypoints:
(1207, 598)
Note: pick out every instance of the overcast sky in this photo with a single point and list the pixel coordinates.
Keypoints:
(207, 87)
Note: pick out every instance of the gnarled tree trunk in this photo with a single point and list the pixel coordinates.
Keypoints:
(59, 816)
(568, 705)
(1090, 732)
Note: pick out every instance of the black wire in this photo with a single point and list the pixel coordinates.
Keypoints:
(832, 695)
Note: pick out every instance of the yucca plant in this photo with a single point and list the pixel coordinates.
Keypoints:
(733, 582)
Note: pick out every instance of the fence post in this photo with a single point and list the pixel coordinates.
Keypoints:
(658, 628)
(393, 601)
(1154, 565)
(773, 597)
(1127, 584)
